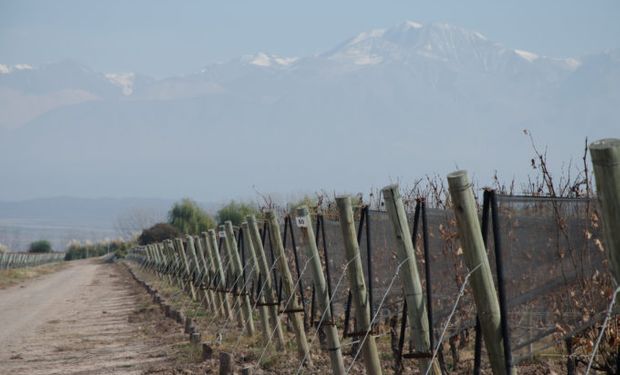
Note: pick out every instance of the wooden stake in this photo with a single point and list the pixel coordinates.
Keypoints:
(254, 274)
(269, 291)
(197, 267)
(207, 274)
(416, 306)
(322, 295)
(244, 298)
(475, 256)
(357, 284)
(212, 247)
(605, 155)
(293, 309)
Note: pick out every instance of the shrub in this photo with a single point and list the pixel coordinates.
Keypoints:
(41, 246)
(158, 233)
(189, 218)
(235, 212)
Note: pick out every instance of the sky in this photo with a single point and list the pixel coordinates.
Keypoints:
(164, 38)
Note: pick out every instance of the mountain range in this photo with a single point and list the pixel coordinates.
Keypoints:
(394, 103)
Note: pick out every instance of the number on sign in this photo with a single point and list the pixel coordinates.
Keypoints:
(301, 222)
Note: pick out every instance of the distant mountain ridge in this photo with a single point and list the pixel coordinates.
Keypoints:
(389, 99)
(422, 48)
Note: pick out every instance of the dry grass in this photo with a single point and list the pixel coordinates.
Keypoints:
(12, 277)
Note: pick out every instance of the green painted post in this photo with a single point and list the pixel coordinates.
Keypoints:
(475, 255)
(357, 283)
(293, 307)
(605, 155)
(416, 305)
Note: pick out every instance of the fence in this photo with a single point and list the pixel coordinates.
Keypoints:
(555, 274)
(525, 276)
(21, 260)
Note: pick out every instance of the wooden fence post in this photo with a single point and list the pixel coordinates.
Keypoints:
(416, 306)
(161, 248)
(188, 273)
(231, 271)
(357, 284)
(198, 272)
(293, 308)
(269, 291)
(207, 274)
(255, 276)
(475, 256)
(304, 222)
(605, 155)
(244, 298)
(212, 247)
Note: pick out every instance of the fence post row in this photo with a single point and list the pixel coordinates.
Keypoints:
(293, 308)
(416, 307)
(197, 263)
(19, 260)
(357, 284)
(321, 292)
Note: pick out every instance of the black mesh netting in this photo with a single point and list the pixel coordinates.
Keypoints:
(556, 277)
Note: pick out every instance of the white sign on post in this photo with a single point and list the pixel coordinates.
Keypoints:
(222, 234)
(301, 222)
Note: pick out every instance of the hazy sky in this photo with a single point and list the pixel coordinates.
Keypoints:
(162, 38)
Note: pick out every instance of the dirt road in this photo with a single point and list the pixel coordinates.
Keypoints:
(89, 318)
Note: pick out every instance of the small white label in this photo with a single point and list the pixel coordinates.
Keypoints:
(301, 222)
(222, 234)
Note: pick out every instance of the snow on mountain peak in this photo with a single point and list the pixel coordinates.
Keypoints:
(413, 24)
(375, 33)
(6, 69)
(123, 80)
(529, 56)
(265, 60)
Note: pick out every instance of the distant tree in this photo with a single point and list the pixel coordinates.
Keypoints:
(189, 218)
(235, 212)
(158, 233)
(3, 248)
(41, 246)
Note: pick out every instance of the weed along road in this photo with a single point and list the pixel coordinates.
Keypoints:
(87, 318)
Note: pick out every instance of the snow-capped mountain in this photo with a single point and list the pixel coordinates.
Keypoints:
(384, 89)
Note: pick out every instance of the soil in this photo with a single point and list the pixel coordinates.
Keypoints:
(88, 318)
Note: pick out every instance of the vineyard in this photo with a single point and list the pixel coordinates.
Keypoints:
(21, 260)
(431, 283)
